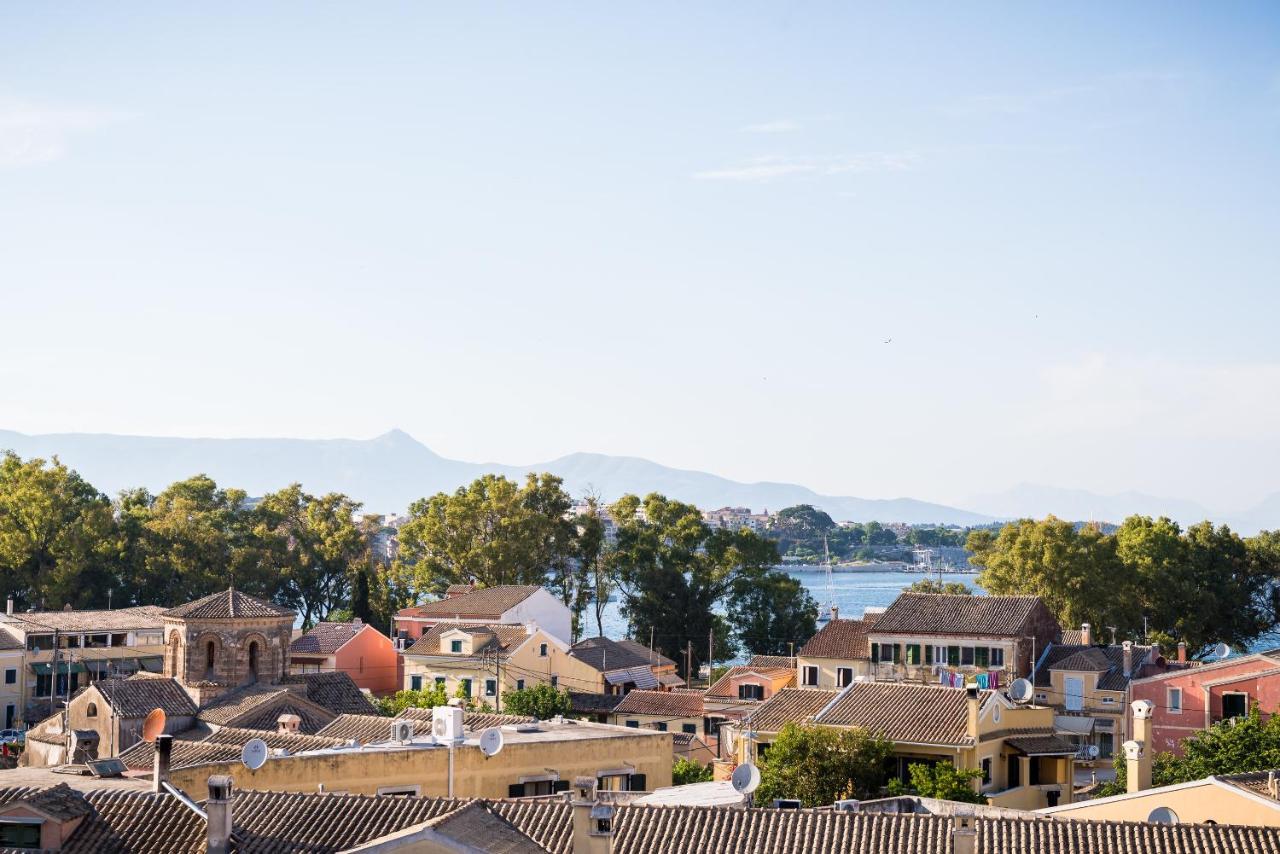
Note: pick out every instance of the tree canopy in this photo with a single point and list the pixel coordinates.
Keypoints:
(820, 765)
(540, 701)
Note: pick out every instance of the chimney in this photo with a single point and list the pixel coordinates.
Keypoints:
(964, 834)
(1137, 752)
(1273, 789)
(1182, 652)
(835, 612)
(163, 748)
(8, 609)
(592, 820)
(1128, 659)
(972, 701)
(288, 724)
(1086, 634)
(356, 621)
(218, 815)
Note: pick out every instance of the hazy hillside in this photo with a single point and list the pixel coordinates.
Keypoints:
(389, 471)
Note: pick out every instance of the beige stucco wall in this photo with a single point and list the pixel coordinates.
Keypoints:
(1193, 804)
(12, 659)
(827, 669)
(365, 771)
(650, 721)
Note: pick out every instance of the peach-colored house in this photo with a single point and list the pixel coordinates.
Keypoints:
(356, 648)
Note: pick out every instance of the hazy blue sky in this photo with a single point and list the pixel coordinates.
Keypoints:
(682, 231)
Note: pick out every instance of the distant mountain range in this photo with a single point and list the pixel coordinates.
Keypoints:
(388, 472)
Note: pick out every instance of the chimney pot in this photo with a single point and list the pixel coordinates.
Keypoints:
(835, 612)
(163, 750)
(1086, 634)
(1182, 651)
(218, 815)
(964, 834)
(1128, 659)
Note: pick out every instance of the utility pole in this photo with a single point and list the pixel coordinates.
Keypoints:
(688, 664)
(651, 646)
(711, 653)
(792, 646)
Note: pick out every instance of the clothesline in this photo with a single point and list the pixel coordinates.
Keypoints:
(960, 679)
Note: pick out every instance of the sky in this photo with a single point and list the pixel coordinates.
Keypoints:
(929, 251)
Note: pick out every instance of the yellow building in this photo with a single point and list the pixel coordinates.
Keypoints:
(547, 756)
(1024, 764)
(836, 655)
(12, 679)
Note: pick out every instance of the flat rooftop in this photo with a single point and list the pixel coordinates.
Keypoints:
(45, 777)
(551, 731)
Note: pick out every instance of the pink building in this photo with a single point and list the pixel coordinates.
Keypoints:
(1191, 700)
(358, 649)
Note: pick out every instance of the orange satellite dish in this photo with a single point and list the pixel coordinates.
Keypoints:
(153, 725)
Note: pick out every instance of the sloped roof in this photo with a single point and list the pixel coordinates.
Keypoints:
(790, 705)
(136, 697)
(946, 614)
(650, 656)
(642, 677)
(784, 661)
(476, 826)
(8, 641)
(184, 754)
(326, 638)
(605, 654)
(60, 802)
(903, 711)
(723, 686)
(1042, 745)
(667, 703)
(844, 639)
(481, 604)
(506, 638)
(229, 604)
(593, 704)
(1105, 660)
(90, 620)
(336, 691)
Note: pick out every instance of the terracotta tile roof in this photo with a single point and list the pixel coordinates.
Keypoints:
(1254, 781)
(335, 691)
(506, 638)
(667, 703)
(476, 827)
(8, 641)
(945, 614)
(605, 654)
(117, 619)
(185, 754)
(843, 639)
(138, 823)
(476, 721)
(1073, 637)
(1090, 659)
(1042, 745)
(724, 687)
(325, 638)
(293, 742)
(772, 661)
(227, 604)
(906, 712)
(1106, 660)
(548, 823)
(60, 802)
(260, 706)
(594, 704)
(482, 604)
(136, 697)
(458, 589)
(797, 705)
(653, 657)
(266, 716)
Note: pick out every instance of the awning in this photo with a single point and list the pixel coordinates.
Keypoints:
(46, 668)
(153, 664)
(641, 677)
(1072, 724)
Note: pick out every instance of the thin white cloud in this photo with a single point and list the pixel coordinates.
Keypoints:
(31, 133)
(774, 167)
(778, 126)
(1120, 84)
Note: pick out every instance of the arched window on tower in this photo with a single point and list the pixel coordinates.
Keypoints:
(210, 655)
(253, 661)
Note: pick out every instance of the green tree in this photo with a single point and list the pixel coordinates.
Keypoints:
(58, 538)
(318, 548)
(426, 698)
(769, 611)
(942, 780)
(931, 585)
(539, 701)
(821, 765)
(489, 533)
(686, 771)
(598, 580)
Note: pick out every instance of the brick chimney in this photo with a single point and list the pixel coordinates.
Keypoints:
(218, 815)
(163, 748)
(1137, 752)
(1182, 652)
(288, 724)
(1086, 634)
(1128, 659)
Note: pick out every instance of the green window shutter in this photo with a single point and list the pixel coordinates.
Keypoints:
(928, 654)
(980, 657)
(953, 656)
(875, 653)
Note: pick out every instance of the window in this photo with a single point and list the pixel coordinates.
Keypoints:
(966, 656)
(604, 825)
(953, 656)
(928, 655)
(519, 684)
(400, 791)
(981, 656)
(542, 650)
(210, 655)
(10, 676)
(19, 834)
(91, 711)
(455, 646)
(895, 654)
(986, 771)
(844, 675)
(439, 680)
(633, 724)
(811, 674)
(913, 653)
(415, 683)
(1106, 701)
(1175, 701)
(1234, 704)
(691, 729)
(253, 661)
(997, 656)
(464, 686)
(660, 726)
(748, 691)
(491, 687)
(875, 653)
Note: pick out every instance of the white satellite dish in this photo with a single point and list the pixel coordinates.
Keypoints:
(1093, 751)
(254, 754)
(491, 741)
(746, 778)
(1222, 650)
(1020, 691)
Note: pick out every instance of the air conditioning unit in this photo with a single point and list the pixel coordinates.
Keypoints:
(786, 804)
(446, 723)
(848, 805)
(402, 731)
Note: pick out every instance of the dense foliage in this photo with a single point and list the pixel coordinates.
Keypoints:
(807, 533)
(539, 701)
(685, 771)
(820, 765)
(940, 780)
(1202, 585)
(932, 585)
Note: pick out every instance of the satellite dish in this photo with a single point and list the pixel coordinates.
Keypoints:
(491, 741)
(153, 725)
(1020, 691)
(1222, 650)
(254, 755)
(746, 778)
(1163, 815)
(1093, 751)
